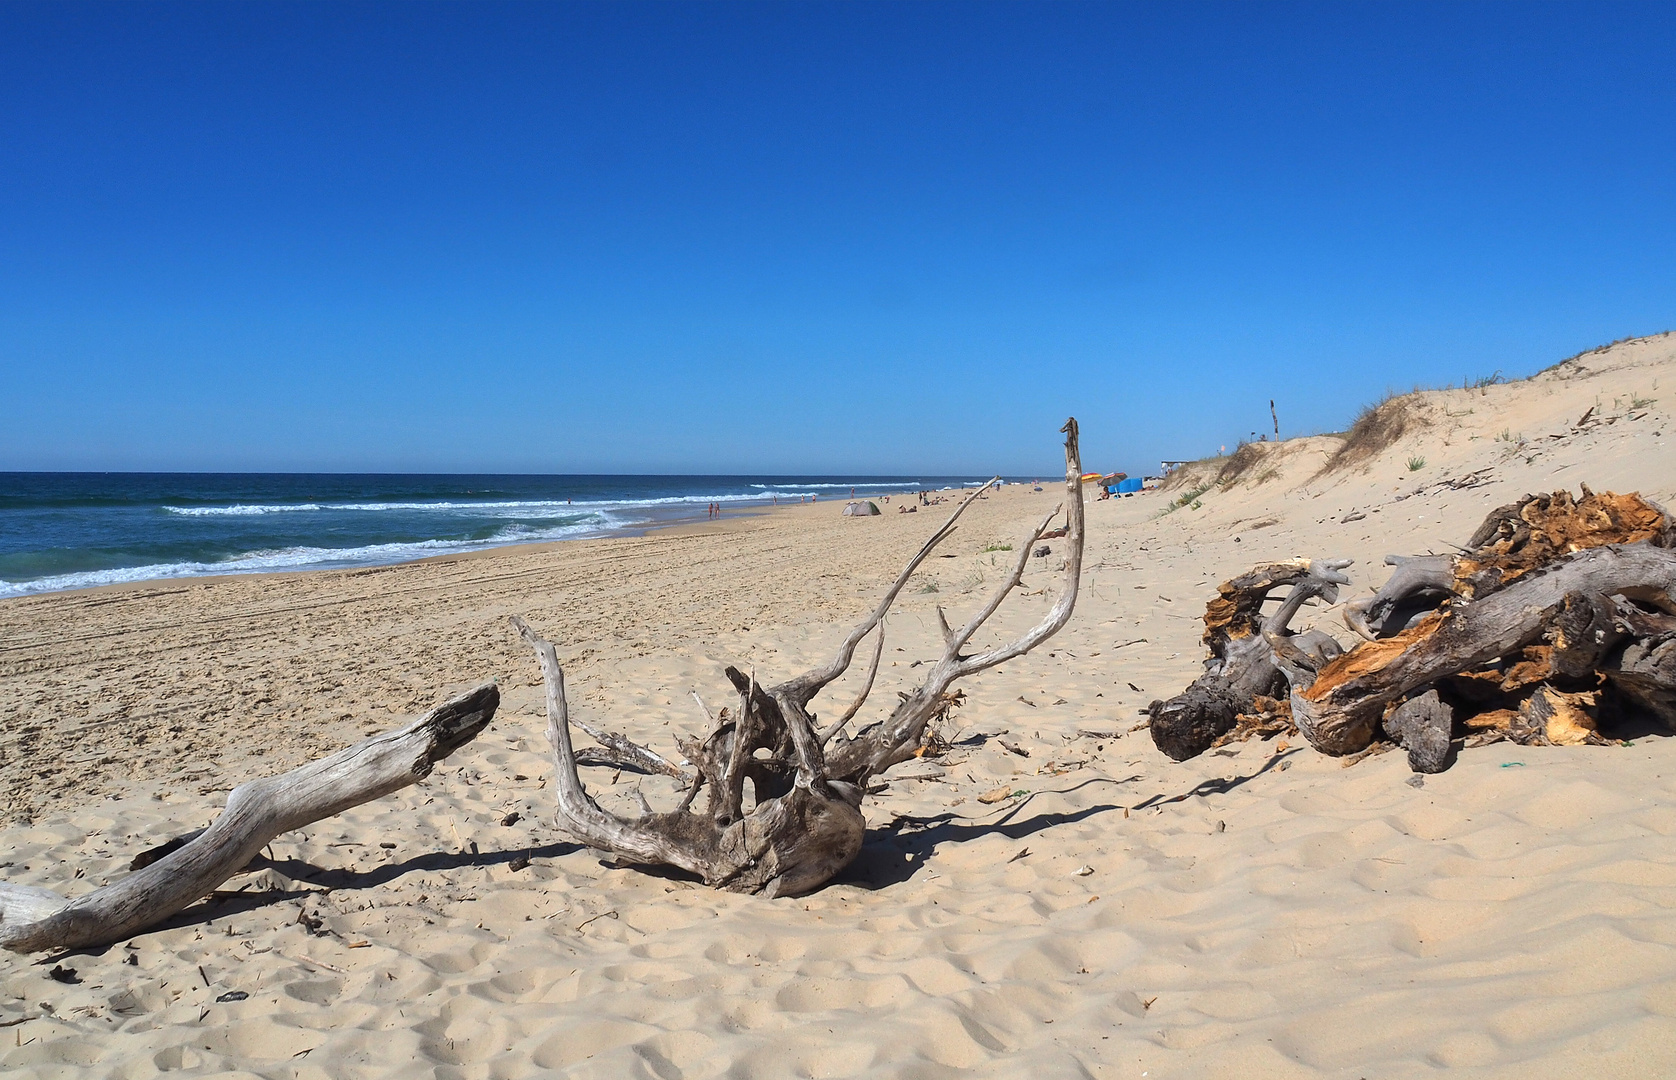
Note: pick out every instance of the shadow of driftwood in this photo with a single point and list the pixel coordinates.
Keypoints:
(313, 880)
(895, 852)
(338, 878)
(1218, 785)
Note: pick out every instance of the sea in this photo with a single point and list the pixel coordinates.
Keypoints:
(77, 530)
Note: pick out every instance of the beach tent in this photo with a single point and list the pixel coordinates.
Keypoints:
(1128, 485)
(865, 508)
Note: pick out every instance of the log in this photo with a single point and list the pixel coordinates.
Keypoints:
(1423, 726)
(1342, 709)
(1645, 675)
(1582, 634)
(1191, 722)
(805, 824)
(1251, 655)
(1512, 541)
(1513, 638)
(33, 920)
(1533, 532)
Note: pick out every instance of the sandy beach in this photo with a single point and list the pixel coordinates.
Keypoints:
(1260, 911)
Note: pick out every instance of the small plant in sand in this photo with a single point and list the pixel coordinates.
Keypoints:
(1415, 464)
(996, 547)
(1190, 497)
(1639, 402)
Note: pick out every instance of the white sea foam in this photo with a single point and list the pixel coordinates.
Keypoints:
(515, 508)
(306, 558)
(242, 511)
(910, 485)
(257, 509)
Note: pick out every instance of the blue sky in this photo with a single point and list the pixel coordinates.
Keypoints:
(788, 238)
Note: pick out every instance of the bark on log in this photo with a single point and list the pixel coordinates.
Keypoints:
(1531, 533)
(32, 920)
(806, 823)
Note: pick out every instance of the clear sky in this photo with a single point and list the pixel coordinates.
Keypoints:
(885, 238)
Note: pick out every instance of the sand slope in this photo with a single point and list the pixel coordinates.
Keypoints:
(1259, 912)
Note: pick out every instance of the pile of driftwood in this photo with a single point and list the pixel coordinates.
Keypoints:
(1555, 625)
(801, 825)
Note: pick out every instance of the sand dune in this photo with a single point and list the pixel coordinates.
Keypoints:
(1258, 912)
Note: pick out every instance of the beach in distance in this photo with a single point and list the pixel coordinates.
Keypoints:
(1050, 897)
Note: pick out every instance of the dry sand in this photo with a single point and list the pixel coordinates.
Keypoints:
(1255, 913)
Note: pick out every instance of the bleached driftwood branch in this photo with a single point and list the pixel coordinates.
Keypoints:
(33, 920)
(806, 824)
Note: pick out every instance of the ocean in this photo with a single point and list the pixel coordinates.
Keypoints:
(76, 530)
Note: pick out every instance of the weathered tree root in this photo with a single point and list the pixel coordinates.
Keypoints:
(1557, 617)
(167, 880)
(1505, 644)
(1512, 541)
(1249, 653)
(806, 823)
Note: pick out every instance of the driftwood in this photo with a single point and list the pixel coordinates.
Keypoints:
(1249, 654)
(1425, 727)
(168, 879)
(1504, 644)
(1512, 541)
(1558, 617)
(804, 823)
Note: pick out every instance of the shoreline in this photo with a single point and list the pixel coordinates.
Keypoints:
(730, 514)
